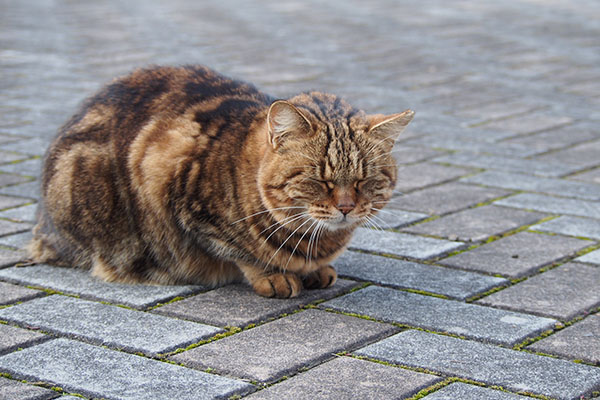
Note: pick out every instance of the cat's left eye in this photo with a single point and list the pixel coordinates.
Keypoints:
(329, 184)
(358, 183)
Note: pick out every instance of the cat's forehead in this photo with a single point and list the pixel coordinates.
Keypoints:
(328, 111)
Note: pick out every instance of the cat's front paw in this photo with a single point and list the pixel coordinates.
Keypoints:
(321, 278)
(279, 285)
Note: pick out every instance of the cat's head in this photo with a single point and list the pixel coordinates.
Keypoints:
(328, 162)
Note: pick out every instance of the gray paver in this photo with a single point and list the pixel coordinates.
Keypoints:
(13, 338)
(584, 155)
(18, 241)
(393, 219)
(449, 316)
(238, 305)
(588, 176)
(572, 226)
(462, 391)
(13, 293)
(416, 176)
(579, 341)
(530, 123)
(476, 224)
(9, 227)
(79, 282)
(271, 351)
(10, 179)
(407, 155)
(556, 138)
(549, 204)
(445, 198)
(475, 146)
(15, 390)
(106, 325)
(31, 167)
(9, 202)
(531, 183)
(517, 255)
(28, 189)
(592, 257)
(516, 371)
(556, 293)
(10, 257)
(24, 213)
(508, 164)
(410, 275)
(347, 378)
(401, 244)
(97, 372)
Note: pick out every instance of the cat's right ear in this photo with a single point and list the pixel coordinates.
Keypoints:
(284, 120)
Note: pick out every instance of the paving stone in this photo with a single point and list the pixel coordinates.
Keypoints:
(8, 157)
(572, 226)
(556, 293)
(445, 198)
(401, 244)
(9, 202)
(31, 167)
(555, 205)
(462, 391)
(449, 316)
(530, 123)
(29, 189)
(10, 179)
(477, 223)
(588, 176)
(591, 257)
(508, 164)
(270, 351)
(560, 187)
(18, 241)
(393, 219)
(416, 176)
(9, 228)
(12, 293)
(347, 378)
(15, 390)
(30, 146)
(510, 369)
(556, 138)
(579, 341)
(78, 282)
(238, 305)
(496, 110)
(584, 155)
(106, 325)
(474, 146)
(20, 214)
(9, 258)
(517, 255)
(13, 338)
(102, 373)
(410, 154)
(409, 275)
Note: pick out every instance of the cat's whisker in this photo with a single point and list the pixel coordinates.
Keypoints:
(381, 220)
(265, 211)
(290, 219)
(286, 240)
(383, 211)
(373, 223)
(297, 244)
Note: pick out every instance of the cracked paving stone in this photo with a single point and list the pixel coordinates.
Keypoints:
(102, 373)
(517, 255)
(12, 293)
(571, 226)
(79, 282)
(346, 378)
(440, 315)
(462, 391)
(561, 187)
(492, 365)
(268, 352)
(554, 205)
(556, 293)
(410, 275)
(579, 341)
(401, 244)
(107, 325)
(238, 305)
(476, 224)
(13, 338)
(15, 390)
(445, 198)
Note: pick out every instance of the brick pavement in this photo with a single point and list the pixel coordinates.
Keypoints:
(485, 281)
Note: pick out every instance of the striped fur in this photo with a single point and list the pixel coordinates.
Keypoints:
(181, 175)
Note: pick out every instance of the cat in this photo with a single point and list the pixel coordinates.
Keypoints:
(180, 175)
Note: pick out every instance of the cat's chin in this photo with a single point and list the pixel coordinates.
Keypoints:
(342, 224)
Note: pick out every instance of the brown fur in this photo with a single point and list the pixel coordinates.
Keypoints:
(181, 175)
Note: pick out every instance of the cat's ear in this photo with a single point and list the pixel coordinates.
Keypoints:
(386, 127)
(284, 119)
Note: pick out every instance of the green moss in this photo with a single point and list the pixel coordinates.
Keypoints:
(173, 300)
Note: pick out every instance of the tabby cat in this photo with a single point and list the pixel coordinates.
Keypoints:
(176, 175)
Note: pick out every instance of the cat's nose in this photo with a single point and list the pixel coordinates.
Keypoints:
(345, 208)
